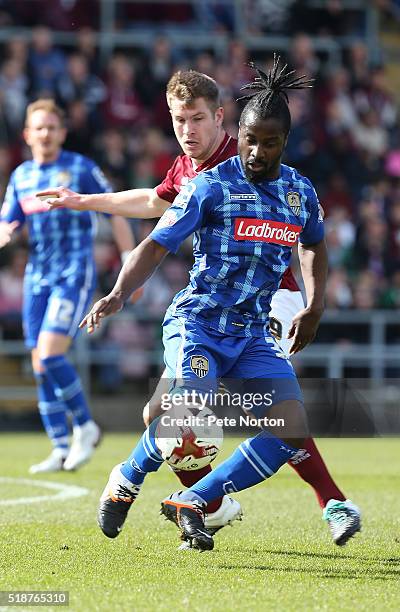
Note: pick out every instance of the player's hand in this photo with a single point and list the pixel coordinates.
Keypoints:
(60, 197)
(303, 330)
(105, 307)
(6, 231)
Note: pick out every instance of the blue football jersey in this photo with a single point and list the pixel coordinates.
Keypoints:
(243, 238)
(60, 241)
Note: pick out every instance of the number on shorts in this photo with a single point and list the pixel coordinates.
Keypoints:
(61, 311)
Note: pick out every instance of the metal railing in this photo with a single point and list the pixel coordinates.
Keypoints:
(374, 397)
(375, 353)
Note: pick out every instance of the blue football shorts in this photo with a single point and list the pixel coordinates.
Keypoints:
(57, 309)
(198, 358)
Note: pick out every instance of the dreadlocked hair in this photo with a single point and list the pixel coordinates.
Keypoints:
(269, 97)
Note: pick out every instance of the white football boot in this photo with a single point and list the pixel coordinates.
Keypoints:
(53, 463)
(230, 510)
(84, 441)
(344, 520)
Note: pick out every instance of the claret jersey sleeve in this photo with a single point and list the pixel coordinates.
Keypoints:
(313, 230)
(167, 190)
(185, 216)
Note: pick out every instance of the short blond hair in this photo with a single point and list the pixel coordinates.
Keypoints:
(188, 85)
(45, 104)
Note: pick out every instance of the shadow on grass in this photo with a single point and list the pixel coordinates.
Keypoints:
(372, 571)
(337, 555)
(348, 574)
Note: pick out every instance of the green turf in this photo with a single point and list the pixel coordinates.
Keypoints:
(279, 558)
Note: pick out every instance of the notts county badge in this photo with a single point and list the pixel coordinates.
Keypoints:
(199, 365)
(64, 178)
(293, 199)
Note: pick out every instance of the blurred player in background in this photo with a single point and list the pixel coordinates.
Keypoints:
(60, 278)
(197, 117)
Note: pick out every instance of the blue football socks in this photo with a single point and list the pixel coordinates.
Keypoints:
(253, 461)
(67, 387)
(52, 412)
(144, 458)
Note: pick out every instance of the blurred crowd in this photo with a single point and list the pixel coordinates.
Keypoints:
(344, 137)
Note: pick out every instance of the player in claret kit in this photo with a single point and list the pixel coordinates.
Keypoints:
(59, 278)
(188, 212)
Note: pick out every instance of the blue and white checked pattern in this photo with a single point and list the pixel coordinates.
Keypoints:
(232, 281)
(60, 241)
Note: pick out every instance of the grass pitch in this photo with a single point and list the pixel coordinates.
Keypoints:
(280, 557)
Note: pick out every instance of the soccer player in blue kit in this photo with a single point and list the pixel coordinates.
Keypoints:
(60, 278)
(247, 214)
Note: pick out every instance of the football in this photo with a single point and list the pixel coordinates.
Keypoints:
(189, 438)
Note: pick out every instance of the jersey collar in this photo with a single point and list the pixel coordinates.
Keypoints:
(210, 162)
(49, 164)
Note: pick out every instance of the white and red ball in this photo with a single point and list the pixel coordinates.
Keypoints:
(189, 438)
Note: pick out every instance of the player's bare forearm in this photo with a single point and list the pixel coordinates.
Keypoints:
(314, 268)
(138, 267)
(135, 203)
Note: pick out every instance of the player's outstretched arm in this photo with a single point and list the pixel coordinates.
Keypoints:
(314, 269)
(135, 203)
(140, 264)
(6, 231)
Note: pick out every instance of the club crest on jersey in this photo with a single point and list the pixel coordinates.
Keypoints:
(64, 178)
(293, 199)
(199, 365)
